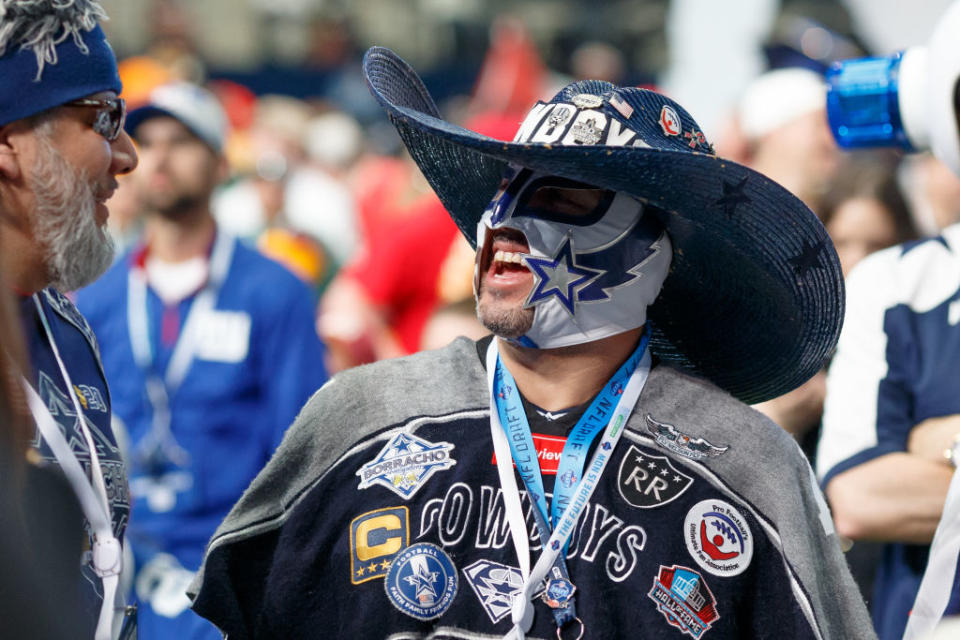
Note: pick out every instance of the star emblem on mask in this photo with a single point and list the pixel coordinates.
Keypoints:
(809, 258)
(732, 197)
(559, 277)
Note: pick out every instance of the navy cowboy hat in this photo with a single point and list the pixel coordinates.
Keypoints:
(754, 300)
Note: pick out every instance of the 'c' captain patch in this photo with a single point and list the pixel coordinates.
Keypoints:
(376, 537)
(405, 464)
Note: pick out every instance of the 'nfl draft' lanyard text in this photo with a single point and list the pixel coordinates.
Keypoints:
(504, 423)
(107, 555)
(159, 391)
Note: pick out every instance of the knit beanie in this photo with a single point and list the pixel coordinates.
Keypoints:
(52, 52)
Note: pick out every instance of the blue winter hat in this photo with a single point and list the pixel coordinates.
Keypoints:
(52, 52)
(754, 300)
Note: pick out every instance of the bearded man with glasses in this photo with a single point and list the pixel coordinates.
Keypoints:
(62, 144)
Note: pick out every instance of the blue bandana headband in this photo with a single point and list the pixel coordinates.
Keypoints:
(83, 65)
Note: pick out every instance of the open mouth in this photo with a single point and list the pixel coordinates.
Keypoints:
(503, 252)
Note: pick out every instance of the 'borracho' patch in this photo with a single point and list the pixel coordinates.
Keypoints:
(405, 464)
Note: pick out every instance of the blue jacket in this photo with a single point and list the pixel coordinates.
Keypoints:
(78, 349)
(227, 416)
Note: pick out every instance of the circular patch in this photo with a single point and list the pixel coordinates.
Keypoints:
(422, 581)
(669, 121)
(718, 538)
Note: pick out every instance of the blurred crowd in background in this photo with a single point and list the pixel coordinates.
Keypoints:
(319, 183)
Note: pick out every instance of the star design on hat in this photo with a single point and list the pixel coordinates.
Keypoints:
(733, 196)
(809, 258)
(559, 276)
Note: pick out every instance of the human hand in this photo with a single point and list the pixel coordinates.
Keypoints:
(930, 438)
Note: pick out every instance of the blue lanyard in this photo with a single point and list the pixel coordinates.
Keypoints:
(572, 460)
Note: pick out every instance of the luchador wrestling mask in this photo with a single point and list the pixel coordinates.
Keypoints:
(597, 261)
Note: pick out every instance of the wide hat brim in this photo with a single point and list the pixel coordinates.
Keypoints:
(754, 300)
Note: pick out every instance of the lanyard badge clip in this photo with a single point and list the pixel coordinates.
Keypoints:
(107, 556)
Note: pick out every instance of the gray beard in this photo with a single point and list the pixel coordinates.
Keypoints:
(78, 250)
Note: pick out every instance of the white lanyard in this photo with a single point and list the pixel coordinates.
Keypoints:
(522, 610)
(159, 390)
(107, 556)
(183, 352)
(940, 575)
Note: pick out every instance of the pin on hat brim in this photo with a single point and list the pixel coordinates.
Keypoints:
(754, 299)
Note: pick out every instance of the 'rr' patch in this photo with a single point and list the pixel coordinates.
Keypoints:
(647, 481)
(685, 600)
(405, 464)
(422, 581)
(376, 537)
(718, 538)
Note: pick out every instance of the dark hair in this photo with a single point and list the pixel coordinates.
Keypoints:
(870, 174)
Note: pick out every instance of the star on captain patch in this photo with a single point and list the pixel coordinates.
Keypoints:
(732, 197)
(405, 464)
(809, 258)
(559, 277)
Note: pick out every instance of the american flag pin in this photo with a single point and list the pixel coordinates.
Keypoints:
(621, 105)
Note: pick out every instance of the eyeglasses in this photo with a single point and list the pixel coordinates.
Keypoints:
(111, 114)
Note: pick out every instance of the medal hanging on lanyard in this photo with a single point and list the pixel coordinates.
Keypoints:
(575, 481)
(159, 446)
(106, 553)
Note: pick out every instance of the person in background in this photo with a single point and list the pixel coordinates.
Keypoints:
(863, 211)
(933, 191)
(891, 412)
(863, 208)
(62, 146)
(286, 190)
(780, 129)
(210, 347)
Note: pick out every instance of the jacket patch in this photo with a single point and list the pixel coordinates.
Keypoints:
(647, 481)
(685, 600)
(496, 586)
(671, 439)
(718, 538)
(376, 537)
(405, 464)
(422, 581)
